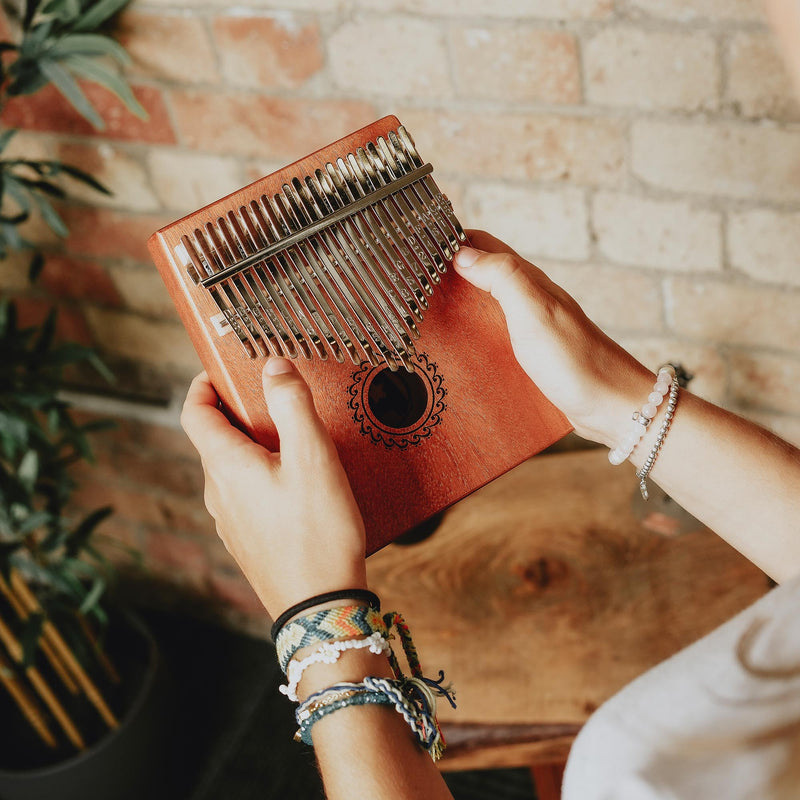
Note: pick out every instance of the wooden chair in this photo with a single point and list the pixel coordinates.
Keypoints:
(546, 592)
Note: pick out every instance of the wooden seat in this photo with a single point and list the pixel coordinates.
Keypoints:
(543, 594)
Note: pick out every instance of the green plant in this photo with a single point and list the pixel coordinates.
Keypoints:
(40, 440)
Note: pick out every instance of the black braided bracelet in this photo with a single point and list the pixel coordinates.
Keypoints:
(342, 594)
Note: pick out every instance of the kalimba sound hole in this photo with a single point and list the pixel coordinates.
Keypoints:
(398, 399)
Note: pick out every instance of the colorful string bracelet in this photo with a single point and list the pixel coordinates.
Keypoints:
(344, 622)
(370, 598)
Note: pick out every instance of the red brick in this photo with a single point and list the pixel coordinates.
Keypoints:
(167, 46)
(264, 52)
(514, 63)
(47, 110)
(520, 146)
(157, 438)
(185, 556)
(134, 465)
(189, 515)
(268, 127)
(102, 232)
(71, 325)
(119, 170)
(128, 504)
(78, 279)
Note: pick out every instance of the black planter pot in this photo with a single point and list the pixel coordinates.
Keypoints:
(129, 763)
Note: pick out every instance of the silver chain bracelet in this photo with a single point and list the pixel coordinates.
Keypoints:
(672, 402)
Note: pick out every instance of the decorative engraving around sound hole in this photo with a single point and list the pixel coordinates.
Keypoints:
(397, 409)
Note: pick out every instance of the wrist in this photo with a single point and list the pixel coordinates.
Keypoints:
(610, 419)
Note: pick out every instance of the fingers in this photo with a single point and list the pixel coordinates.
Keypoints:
(205, 425)
(292, 409)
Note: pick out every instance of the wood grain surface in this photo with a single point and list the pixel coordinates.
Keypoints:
(542, 594)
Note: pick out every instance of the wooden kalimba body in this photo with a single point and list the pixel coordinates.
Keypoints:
(334, 261)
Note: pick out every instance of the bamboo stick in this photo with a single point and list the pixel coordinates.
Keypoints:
(25, 703)
(14, 649)
(100, 654)
(46, 647)
(54, 637)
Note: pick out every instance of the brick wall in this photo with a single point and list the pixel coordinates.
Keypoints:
(646, 153)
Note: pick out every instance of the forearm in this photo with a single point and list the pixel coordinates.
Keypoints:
(734, 476)
(369, 752)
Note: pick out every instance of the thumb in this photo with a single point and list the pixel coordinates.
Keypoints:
(292, 409)
(511, 280)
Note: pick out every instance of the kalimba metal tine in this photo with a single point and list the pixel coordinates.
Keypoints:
(261, 312)
(321, 315)
(343, 179)
(408, 262)
(297, 195)
(232, 287)
(415, 233)
(373, 234)
(409, 208)
(250, 311)
(302, 309)
(200, 266)
(331, 262)
(346, 306)
(441, 199)
(286, 302)
(406, 328)
(424, 212)
(266, 273)
(337, 241)
(216, 263)
(260, 281)
(405, 228)
(423, 188)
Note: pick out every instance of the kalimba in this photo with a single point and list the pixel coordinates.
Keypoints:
(334, 261)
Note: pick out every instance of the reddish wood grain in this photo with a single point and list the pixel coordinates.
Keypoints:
(494, 418)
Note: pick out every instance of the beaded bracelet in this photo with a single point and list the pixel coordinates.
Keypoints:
(411, 698)
(329, 653)
(344, 622)
(303, 733)
(662, 433)
(644, 416)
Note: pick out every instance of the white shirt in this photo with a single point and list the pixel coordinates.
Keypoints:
(700, 725)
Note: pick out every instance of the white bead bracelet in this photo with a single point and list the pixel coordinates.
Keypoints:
(644, 416)
(329, 653)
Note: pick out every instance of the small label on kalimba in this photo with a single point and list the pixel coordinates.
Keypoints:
(221, 325)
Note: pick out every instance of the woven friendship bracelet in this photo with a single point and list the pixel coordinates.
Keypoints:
(345, 622)
(343, 594)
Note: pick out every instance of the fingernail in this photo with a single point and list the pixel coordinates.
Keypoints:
(466, 257)
(279, 366)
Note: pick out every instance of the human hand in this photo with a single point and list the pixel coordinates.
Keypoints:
(588, 376)
(288, 518)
